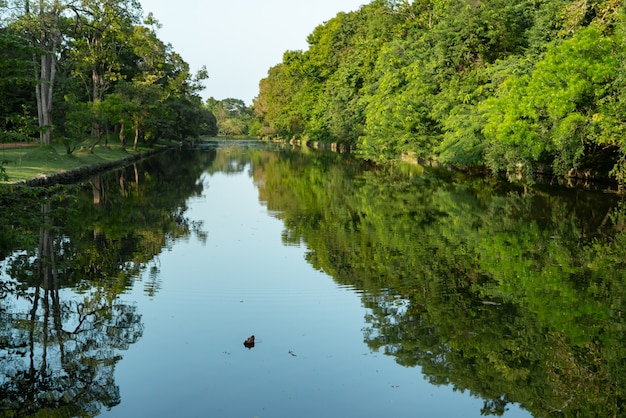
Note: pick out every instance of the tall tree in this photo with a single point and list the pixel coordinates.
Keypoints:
(103, 29)
(79, 53)
(42, 24)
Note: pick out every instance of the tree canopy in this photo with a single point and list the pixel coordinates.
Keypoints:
(233, 117)
(513, 86)
(80, 69)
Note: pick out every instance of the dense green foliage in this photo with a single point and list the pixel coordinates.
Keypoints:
(516, 86)
(513, 294)
(233, 117)
(93, 69)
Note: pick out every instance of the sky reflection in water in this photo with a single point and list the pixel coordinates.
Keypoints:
(309, 360)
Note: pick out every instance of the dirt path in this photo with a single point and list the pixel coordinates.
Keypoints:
(18, 144)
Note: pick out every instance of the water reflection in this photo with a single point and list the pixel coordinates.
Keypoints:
(59, 350)
(511, 294)
(63, 324)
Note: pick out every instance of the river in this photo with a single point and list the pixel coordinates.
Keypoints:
(370, 292)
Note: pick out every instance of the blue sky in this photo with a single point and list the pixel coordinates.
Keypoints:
(239, 40)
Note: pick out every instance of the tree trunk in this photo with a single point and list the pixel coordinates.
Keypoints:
(45, 85)
(136, 143)
(122, 136)
(92, 146)
(45, 64)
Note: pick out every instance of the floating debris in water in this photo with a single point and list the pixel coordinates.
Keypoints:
(249, 342)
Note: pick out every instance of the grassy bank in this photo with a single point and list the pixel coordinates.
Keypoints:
(25, 163)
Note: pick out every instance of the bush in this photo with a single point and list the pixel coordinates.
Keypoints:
(6, 136)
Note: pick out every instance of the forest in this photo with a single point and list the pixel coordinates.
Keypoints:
(77, 69)
(516, 87)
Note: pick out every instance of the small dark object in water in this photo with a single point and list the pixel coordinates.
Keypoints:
(249, 343)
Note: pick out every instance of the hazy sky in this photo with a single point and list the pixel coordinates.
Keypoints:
(239, 40)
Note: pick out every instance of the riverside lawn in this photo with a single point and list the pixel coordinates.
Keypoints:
(22, 163)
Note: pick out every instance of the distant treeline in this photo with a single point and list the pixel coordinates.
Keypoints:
(516, 86)
(234, 117)
(79, 69)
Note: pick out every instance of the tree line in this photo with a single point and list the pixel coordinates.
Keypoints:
(94, 68)
(514, 86)
(234, 117)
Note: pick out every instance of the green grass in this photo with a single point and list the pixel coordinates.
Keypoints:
(29, 162)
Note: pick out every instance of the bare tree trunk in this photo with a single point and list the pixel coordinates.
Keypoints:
(46, 65)
(122, 136)
(98, 139)
(44, 93)
(136, 143)
(106, 135)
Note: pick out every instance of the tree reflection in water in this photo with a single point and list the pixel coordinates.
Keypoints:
(59, 348)
(64, 265)
(514, 294)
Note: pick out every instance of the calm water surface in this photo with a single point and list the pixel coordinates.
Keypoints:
(369, 293)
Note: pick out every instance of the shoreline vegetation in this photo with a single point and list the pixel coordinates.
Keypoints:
(584, 180)
(91, 83)
(35, 165)
(517, 88)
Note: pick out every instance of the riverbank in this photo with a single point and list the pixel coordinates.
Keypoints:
(584, 179)
(47, 165)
